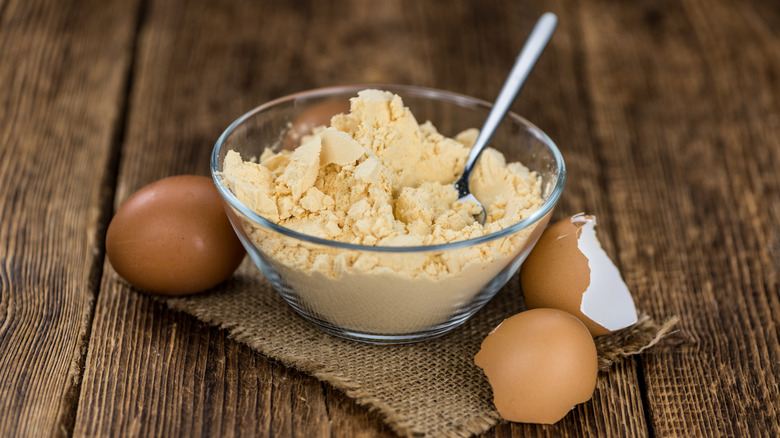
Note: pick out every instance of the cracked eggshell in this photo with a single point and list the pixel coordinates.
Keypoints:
(540, 364)
(569, 270)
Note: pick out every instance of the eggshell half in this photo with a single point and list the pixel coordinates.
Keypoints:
(569, 270)
(540, 364)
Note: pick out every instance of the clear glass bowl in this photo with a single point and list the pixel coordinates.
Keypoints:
(380, 294)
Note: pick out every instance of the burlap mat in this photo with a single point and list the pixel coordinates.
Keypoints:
(431, 388)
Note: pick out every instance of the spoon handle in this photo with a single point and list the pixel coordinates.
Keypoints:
(533, 47)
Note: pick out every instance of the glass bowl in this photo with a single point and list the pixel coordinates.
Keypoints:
(378, 294)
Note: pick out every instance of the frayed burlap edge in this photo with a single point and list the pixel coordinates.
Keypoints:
(632, 340)
(611, 349)
(338, 380)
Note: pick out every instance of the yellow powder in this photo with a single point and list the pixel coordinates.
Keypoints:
(377, 177)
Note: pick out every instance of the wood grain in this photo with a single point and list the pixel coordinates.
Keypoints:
(187, 123)
(63, 69)
(666, 112)
(678, 154)
(151, 371)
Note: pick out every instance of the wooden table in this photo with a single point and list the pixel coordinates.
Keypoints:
(667, 114)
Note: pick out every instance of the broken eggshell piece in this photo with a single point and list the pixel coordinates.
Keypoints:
(569, 270)
(540, 364)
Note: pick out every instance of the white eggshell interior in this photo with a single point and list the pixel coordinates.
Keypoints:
(607, 300)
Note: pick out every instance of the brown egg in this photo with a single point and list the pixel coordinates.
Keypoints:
(540, 364)
(568, 270)
(318, 115)
(173, 237)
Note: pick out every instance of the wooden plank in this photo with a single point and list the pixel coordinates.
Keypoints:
(683, 97)
(63, 68)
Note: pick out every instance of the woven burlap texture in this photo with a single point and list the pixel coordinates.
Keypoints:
(429, 388)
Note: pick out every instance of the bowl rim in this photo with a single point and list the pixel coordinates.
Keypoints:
(457, 98)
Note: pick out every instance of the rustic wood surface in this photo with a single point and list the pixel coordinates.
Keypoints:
(667, 114)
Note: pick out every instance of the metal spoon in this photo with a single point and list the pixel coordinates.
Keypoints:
(533, 47)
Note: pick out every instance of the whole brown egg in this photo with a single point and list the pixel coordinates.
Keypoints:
(173, 237)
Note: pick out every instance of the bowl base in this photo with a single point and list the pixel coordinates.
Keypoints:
(385, 339)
